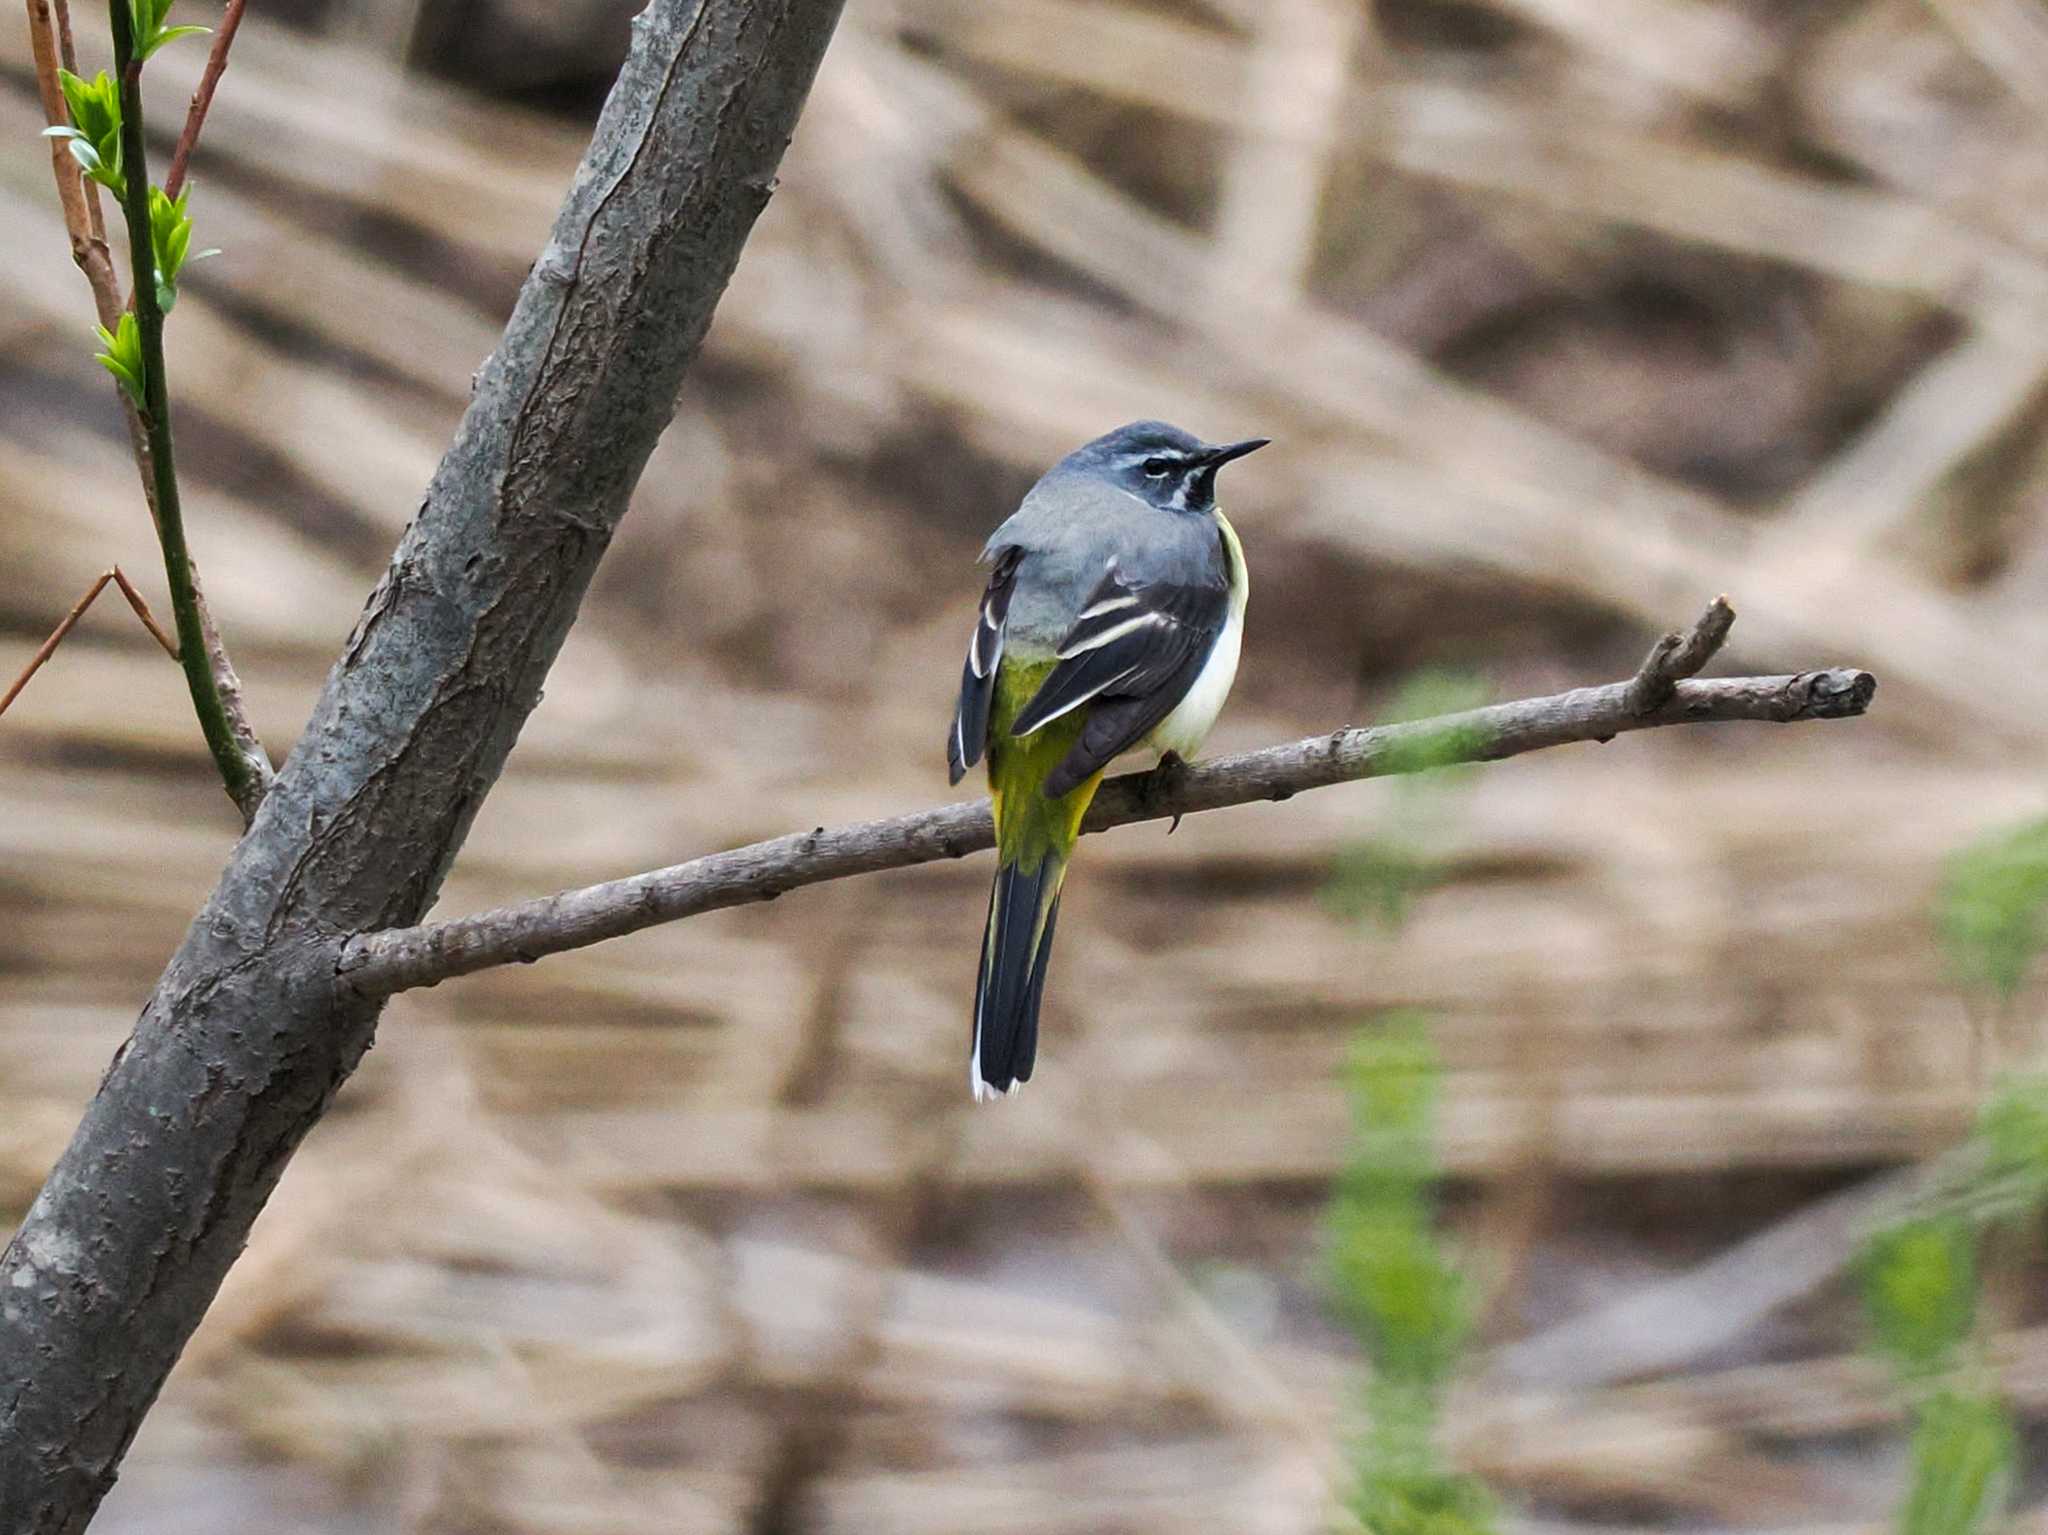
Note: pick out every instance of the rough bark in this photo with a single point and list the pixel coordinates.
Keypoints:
(247, 1036)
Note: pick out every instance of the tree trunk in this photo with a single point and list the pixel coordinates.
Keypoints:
(248, 1034)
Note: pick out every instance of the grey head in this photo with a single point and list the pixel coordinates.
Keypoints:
(1161, 465)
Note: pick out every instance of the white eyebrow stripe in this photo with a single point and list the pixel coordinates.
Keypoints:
(1107, 605)
(1113, 632)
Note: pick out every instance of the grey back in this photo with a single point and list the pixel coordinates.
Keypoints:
(1071, 526)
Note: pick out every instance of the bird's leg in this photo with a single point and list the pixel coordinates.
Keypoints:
(1162, 781)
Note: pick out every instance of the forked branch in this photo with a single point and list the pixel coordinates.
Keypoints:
(49, 646)
(210, 675)
(378, 964)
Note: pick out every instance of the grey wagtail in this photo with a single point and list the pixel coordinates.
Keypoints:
(1113, 619)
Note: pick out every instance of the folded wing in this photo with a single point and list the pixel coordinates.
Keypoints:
(969, 737)
(1131, 654)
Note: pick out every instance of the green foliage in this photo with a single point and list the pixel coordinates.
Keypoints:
(1920, 1290)
(1423, 1503)
(1380, 878)
(1429, 695)
(1399, 1290)
(170, 238)
(147, 19)
(2013, 1132)
(1392, 1280)
(95, 131)
(1992, 905)
(1920, 1293)
(1964, 1452)
(1400, 1293)
(122, 356)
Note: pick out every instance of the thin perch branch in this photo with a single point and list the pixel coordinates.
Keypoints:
(49, 646)
(378, 964)
(202, 98)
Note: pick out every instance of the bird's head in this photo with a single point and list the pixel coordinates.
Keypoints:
(1160, 464)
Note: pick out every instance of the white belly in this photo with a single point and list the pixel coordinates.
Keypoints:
(1183, 731)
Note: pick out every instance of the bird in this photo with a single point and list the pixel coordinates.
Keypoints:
(1113, 619)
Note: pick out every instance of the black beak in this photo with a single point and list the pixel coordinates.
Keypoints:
(1213, 457)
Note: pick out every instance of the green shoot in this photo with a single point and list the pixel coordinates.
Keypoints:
(1399, 1291)
(1920, 1294)
(1993, 903)
(95, 131)
(1380, 878)
(170, 238)
(1920, 1291)
(122, 356)
(149, 30)
(1964, 1452)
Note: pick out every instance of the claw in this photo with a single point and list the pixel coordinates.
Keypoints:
(1162, 778)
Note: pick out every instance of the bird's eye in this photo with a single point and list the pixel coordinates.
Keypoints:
(1157, 468)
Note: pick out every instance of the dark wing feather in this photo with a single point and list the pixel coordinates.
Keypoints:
(969, 736)
(1132, 654)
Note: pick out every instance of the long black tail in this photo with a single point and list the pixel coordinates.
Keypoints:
(1022, 910)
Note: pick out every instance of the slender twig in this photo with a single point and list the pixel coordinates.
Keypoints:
(64, 48)
(69, 54)
(114, 574)
(202, 98)
(50, 41)
(1677, 656)
(403, 958)
(49, 35)
(240, 771)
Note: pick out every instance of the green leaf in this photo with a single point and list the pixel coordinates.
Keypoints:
(2012, 1185)
(1920, 1290)
(122, 356)
(170, 35)
(1396, 1286)
(146, 18)
(1993, 903)
(170, 238)
(95, 131)
(1964, 1451)
(1403, 1296)
(95, 104)
(1422, 1502)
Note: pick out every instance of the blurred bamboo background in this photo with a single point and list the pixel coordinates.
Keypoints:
(1565, 316)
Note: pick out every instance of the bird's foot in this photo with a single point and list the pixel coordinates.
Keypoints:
(1163, 780)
